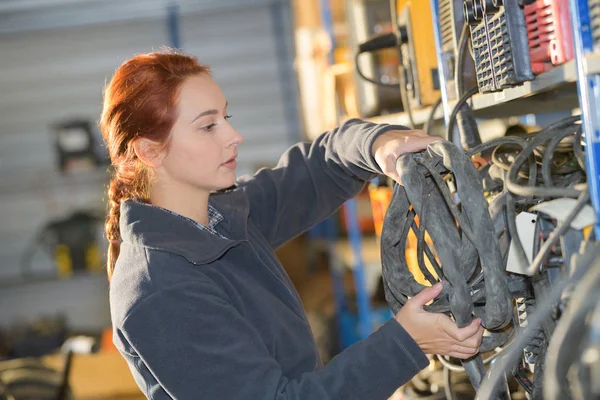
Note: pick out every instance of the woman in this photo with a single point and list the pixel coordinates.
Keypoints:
(200, 305)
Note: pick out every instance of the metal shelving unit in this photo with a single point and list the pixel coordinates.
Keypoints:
(550, 91)
(420, 116)
(575, 84)
(588, 87)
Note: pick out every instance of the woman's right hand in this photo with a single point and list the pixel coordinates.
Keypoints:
(436, 333)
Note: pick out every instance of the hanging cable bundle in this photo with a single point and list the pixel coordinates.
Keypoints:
(464, 239)
(468, 250)
(472, 239)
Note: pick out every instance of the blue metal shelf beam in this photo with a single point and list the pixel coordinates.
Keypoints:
(588, 86)
(442, 73)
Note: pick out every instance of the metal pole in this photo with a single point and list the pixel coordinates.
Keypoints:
(360, 282)
(442, 73)
(588, 87)
(173, 25)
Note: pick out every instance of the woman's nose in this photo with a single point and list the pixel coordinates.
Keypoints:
(236, 138)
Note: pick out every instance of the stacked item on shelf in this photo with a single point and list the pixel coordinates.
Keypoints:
(550, 33)
(500, 46)
(451, 17)
(419, 59)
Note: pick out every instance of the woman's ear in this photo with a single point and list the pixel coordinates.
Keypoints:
(148, 151)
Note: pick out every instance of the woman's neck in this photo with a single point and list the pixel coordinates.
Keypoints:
(187, 201)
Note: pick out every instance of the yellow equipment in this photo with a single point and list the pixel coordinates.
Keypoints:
(418, 54)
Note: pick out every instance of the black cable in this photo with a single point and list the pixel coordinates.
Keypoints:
(577, 149)
(496, 143)
(461, 102)
(366, 78)
(404, 95)
(401, 70)
(459, 68)
(543, 310)
(529, 191)
(548, 156)
(431, 118)
(566, 342)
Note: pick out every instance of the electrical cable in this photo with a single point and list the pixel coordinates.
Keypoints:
(404, 95)
(469, 133)
(529, 191)
(458, 70)
(460, 368)
(543, 310)
(577, 149)
(401, 70)
(371, 80)
(549, 155)
(461, 102)
(448, 384)
(563, 349)
(431, 118)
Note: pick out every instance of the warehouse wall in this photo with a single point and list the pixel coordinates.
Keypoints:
(54, 62)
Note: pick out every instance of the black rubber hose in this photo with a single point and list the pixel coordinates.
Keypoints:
(431, 118)
(528, 191)
(578, 150)
(459, 104)
(371, 80)
(544, 308)
(463, 43)
(404, 95)
(549, 155)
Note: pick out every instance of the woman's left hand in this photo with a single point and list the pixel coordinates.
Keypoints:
(392, 144)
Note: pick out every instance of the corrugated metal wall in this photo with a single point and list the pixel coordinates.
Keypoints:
(53, 64)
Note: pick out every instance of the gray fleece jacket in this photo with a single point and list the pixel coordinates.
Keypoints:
(205, 316)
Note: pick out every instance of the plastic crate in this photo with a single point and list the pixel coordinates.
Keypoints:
(549, 33)
(500, 45)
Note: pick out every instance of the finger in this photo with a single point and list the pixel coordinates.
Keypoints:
(476, 339)
(464, 349)
(460, 334)
(389, 166)
(418, 143)
(397, 178)
(426, 295)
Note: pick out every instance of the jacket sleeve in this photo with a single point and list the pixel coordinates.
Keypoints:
(210, 351)
(311, 181)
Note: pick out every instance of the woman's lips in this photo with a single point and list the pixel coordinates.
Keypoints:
(231, 163)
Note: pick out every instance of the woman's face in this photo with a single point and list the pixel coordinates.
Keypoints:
(202, 151)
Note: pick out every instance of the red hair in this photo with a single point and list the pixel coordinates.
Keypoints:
(139, 101)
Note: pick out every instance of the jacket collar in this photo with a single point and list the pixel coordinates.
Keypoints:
(154, 228)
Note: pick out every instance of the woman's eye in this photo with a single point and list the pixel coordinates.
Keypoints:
(209, 127)
(228, 116)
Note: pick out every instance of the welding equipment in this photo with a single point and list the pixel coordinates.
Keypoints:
(549, 32)
(72, 242)
(78, 146)
(376, 77)
(500, 44)
(455, 44)
(419, 58)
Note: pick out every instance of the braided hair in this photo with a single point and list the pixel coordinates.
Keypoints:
(139, 101)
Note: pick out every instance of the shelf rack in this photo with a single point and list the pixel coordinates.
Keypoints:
(575, 84)
(588, 84)
(552, 90)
